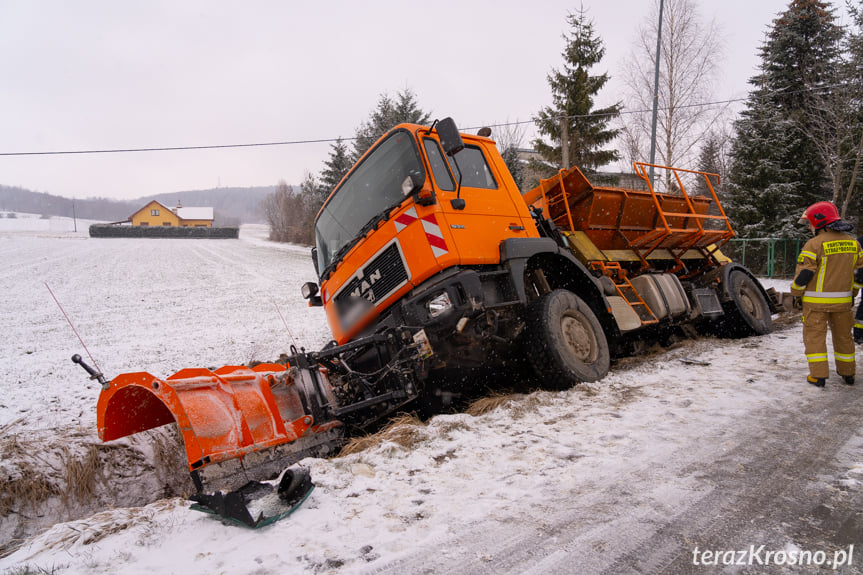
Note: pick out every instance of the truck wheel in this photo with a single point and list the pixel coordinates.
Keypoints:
(565, 343)
(747, 313)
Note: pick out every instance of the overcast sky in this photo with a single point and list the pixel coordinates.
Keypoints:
(102, 74)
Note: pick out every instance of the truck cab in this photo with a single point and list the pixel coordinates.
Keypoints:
(406, 213)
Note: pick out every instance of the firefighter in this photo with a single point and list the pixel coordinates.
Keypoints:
(828, 276)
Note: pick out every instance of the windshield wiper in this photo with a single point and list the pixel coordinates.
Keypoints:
(337, 257)
(370, 225)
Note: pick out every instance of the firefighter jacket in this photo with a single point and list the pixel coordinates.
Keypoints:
(826, 276)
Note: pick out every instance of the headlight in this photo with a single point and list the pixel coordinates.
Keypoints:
(439, 304)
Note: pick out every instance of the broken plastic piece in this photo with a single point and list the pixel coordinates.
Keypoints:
(258, 503)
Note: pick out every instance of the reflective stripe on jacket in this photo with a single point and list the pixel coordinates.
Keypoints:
(832, 256)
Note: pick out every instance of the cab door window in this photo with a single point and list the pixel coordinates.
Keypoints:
(474, 169)
(438, 165)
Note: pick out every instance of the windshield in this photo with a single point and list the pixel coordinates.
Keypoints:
(369, 192)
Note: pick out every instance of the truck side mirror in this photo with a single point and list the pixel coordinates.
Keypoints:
(449, 136)
(412, 184)
(450, 139)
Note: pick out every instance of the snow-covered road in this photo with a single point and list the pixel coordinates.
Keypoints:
(711, 445)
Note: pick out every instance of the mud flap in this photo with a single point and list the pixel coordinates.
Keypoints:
(258, 503)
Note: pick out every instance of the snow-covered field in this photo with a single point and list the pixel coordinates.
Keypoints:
(156, 306)
(11, 222)
(563, 482)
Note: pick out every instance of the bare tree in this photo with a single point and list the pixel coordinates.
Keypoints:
(833, 98)
(837, 135)
(689, 61)
(509, 138)
(508, 135)
(283, 209)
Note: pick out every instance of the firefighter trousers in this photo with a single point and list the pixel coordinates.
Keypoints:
(815, 326)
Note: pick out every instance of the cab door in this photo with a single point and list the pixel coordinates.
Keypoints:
(490, 213)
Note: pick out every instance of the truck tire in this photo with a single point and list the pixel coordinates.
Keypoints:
(565, 342)
(747, 312)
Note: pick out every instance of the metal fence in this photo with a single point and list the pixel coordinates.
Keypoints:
(765, 257)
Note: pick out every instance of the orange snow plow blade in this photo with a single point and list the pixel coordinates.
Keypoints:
(242, 427)
(232, 420)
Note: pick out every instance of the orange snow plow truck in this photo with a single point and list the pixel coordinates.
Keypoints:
(433, 269)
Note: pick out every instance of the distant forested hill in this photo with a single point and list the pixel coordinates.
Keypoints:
(231, 205)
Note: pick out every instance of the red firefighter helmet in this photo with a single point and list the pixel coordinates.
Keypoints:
(820, 214)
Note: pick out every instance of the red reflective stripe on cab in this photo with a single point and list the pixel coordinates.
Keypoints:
(437, 242)
(434, 235)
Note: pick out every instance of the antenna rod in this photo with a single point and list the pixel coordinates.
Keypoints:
(286, 324)
(94, 373)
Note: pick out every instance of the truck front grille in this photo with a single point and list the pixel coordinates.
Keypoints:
(383, 275)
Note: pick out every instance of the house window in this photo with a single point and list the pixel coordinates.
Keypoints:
(166, 223)
(154, 212)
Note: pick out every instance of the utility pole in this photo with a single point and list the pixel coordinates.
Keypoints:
(564, 142)
(655, 94)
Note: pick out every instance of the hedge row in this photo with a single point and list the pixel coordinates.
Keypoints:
(113, 231)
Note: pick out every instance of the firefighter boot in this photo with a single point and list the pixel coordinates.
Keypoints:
(848, 379)
(816, 381)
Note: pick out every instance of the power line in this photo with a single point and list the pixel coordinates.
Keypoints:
(300, 142)
(170, 148)
(331, 140)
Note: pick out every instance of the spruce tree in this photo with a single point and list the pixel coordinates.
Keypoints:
(313, 196)
(573, 92)
(335, 168)
(852, 78)
(388, 113)
(514, 165)
(776, 170)
(710, 160)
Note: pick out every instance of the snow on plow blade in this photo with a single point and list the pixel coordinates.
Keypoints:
(239, 425)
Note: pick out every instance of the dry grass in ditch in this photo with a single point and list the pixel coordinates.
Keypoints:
(489, 403)
(518, 403)
(28, 486)
(72, 469)
(408, 430)
(80, 474)
(100, 525)
(404, 430)
(25, 492)
(526, 404)
(34, 481)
